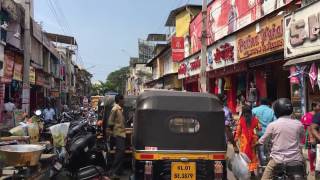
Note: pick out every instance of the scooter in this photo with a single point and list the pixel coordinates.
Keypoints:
(84, 160)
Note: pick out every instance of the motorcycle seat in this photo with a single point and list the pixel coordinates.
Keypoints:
(82, 142)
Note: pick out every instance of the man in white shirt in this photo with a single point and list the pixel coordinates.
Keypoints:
(49, 113)
(9, 107)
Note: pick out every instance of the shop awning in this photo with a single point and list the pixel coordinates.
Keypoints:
(301, 60)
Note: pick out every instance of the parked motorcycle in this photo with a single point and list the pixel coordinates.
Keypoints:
(84, 159)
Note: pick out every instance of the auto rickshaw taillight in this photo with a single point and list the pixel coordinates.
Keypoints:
(146, 156)
(148, 169)
(218, 170)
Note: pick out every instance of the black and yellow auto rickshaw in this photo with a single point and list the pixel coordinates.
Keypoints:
(179, 136)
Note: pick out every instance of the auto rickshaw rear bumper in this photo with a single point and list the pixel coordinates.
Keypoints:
(188, 165)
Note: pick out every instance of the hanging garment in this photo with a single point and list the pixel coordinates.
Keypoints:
(313, 73)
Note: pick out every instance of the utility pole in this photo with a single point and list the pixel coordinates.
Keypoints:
(203, 74)
(27, 57)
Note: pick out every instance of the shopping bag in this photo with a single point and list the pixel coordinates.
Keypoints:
(240, 169)
(318, 158)
(59, 133)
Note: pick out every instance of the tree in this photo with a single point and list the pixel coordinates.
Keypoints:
(117, 79)
(101, 88)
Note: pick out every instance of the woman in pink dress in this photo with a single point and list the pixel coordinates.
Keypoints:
(306, 120)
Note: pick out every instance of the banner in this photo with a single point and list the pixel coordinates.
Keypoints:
(228, 16)
(8, 68)
(17, 73)
(177, 45)
(195, 34)
(252, 43)
(32, 75)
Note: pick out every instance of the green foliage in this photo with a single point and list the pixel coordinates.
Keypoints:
(118, 78)
(116, 81)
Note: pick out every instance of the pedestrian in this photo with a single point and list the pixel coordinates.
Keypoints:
(316, 135)
(9, 108)
(116, 123)
(49, 113)
(228, 121)
(265, 116)
(285, 134)
(309, 139)
(253, 94)
(245, 134)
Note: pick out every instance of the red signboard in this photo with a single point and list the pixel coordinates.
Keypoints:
(177, 45)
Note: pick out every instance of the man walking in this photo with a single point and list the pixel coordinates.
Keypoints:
(117, 125)
(265, 116)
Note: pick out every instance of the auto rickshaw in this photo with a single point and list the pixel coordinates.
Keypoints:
(179, 136)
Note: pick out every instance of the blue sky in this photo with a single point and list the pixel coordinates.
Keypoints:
(107, 31)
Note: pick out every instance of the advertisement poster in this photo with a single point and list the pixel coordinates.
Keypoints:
(227, 16)
(195, 34)
(17, 73)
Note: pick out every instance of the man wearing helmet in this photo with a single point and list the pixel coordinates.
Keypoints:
(285, 134)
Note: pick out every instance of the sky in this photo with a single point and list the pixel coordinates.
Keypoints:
(106, 31)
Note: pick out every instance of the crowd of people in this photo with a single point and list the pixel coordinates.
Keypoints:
(272, 124)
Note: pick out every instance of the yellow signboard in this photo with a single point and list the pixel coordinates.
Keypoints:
(263, 38)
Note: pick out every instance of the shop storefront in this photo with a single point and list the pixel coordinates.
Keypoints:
(189, 71)
(261, 47)
(302, 42)
(224, 72)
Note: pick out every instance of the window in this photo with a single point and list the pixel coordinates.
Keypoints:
(183, 125)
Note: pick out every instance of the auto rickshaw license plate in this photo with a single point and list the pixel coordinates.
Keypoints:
(183, 170)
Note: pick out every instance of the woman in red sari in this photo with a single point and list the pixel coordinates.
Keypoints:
(246, 134)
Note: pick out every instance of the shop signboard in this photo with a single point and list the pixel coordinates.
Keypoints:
(40, 79)
(189, 67)
(32, 75)
(8, 68)
(302, 31)
(222, 54)
(17, 72)
(177, 45)
(263, 38)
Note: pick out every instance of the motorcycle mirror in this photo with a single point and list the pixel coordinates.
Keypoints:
(38, 112)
